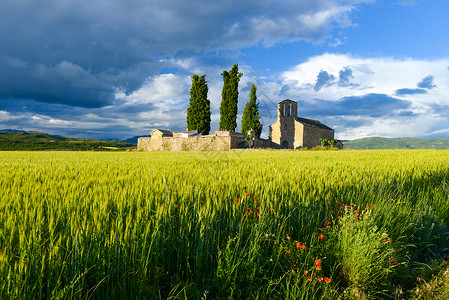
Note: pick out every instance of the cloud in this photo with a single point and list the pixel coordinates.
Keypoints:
(374, 96)
(407, 2)
(323, 79)
(345, 75)
(410, 91)
(426, 83)
(369, 105)
(80, 53)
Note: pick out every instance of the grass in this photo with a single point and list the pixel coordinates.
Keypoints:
(247, 225)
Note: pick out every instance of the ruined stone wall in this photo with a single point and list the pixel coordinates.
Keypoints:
(312, 136)
(202, 143)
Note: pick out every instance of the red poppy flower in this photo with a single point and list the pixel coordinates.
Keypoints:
(318, 268)
(303, 247)
(321, 236)
(258, 207)
(298, 245)
(318, 262)
(176, 205)
(327, 280)
(258, 214)
(255, 197)
(288, 237)
(266, 235)
(306, 272)
(320, 278)
(389, 240)
(339, 217)
(237, 199)
(247, 194)
(328, 223)
(395, 261)
(293, 271)
(328, 227)
(310, 279)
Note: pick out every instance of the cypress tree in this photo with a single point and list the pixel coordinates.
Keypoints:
(198, 113)
(250, 119)
(229, 96)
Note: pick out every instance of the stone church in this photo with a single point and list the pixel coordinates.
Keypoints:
(292, 132)
(288, 132)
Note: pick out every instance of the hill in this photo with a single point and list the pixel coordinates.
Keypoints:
(134, 139)
(398, 143)
(33, 140)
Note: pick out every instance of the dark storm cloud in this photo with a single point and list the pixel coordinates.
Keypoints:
(370, 105)
(426, 83)
(324, 79)
(80, 52)
(410, 91)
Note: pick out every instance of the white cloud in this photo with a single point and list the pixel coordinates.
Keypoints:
(383, 76)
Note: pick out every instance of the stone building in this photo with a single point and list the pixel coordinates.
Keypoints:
(292, 132)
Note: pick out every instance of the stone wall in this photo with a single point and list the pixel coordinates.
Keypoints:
(312, 136)
(202, 143)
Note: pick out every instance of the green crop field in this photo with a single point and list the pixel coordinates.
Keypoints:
(223, 225)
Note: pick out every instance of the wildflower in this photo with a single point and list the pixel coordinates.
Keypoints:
(244, 211)
(249, 208)
(293, 271)
(288, 251)
(258, 207)
(395, 261)
(298, 245)
(250, 212)
(303, 247)
(328, 223)
(321, 236)
(306, 272)
(176, 205)
(247, 194)
(390, 258)
(328, 227)
(237, 199)
(288, 238)
(258, 214)
(389, 240)
(355, 205)
(318, 262)
(339, 217)
(326, 279)
(318, 268)
(310, 279)
(266, 235)
(255, 197)
(320, 278)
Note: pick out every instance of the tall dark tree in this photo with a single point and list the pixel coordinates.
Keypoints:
(198, 113)
(229, 96)
(251, 119)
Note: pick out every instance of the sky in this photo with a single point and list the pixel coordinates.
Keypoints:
(120, 68)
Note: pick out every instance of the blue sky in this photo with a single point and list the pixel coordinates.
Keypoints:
(116, 69)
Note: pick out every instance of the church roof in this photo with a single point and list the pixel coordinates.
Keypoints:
(313, 123)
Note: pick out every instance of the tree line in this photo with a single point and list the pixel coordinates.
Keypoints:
(198, 113)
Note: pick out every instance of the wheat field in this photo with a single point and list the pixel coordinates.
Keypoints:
(220, 225)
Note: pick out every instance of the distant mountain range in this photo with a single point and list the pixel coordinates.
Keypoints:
(397, 143)
(11, 139)
(134, 139)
